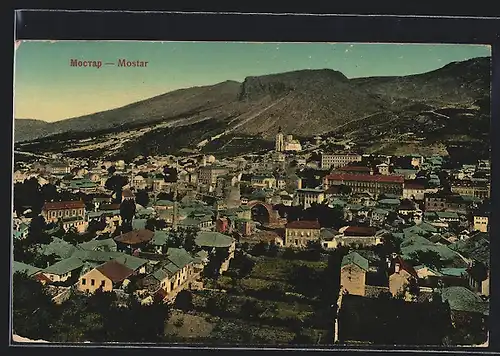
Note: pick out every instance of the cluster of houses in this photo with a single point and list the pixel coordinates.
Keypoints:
(121, 264)
(421, 207)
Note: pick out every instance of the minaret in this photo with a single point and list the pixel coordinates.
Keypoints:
(175, 212)
(280, 142)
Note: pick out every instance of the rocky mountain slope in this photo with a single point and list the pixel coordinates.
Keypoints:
(303, 103)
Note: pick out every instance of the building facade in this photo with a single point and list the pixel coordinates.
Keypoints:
(208, 175)
(299, 233)
(53, 211)
(360, 183)
(337, 160)
(306, 197)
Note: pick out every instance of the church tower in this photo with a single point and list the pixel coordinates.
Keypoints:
(280, 141)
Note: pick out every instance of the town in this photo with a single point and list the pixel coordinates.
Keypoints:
(298, 245)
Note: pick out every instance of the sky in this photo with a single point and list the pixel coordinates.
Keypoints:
(47, 88)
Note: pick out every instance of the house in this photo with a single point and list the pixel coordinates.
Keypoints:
(358, 235)
(468, 310)
(53, 211)
(298, 233)
(481, 221)
(263, 181)
(207, 175)
(111, 219)
(201, 221)
(160, 241)
(136, 264)
(99, 245)
(21, 231)
(173, 275)
(133, 240)
(78, 223)
(63, 270)
(415, 189)
(307, 197)
(108, 276)
(374, 184)
(30, 271)
(162, 205)
(409, 209)
(209, 240)
(353, 270)
(336, 160)
(383, 169)
(378, 217)
(401, 275)
(472, 188)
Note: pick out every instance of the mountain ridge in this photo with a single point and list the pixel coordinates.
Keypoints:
(303, 102)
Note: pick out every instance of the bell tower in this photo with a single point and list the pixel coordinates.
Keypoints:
(280, 141)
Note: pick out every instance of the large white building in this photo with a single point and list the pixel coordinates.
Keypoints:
(286, 143)
(337, 160)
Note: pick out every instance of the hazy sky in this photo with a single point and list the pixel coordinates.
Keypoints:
(48, 88)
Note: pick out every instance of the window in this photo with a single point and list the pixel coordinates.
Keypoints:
(84, 281)
(103, 283)
(92, 282)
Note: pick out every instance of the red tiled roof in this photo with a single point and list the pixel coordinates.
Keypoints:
(40, 277)
(303, 224)
(59, 205)
(365, 178)
(135, 237)
(360, 231)
(115, 271)
(412, 184)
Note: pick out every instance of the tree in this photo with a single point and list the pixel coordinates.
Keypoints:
(151, 225)
(242, 263)
(43, 261)
(190, 238)
(23, 252)
(289, 254)
(184, 300)
(127, 212)
(111, 170)
(260, 249)
(170, 174)
(273, 250)
(345, 189)
(116, 183)
(251, 309)
(36, 231)
(33, 309)
(49, 192)
(428, 258)
(72, 236)
(301, 338)
(215, 261)
(305, 280)
(142, 198)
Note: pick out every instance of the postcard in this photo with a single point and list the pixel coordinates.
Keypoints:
(251, 194)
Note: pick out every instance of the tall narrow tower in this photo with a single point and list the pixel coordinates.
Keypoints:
(280, 141)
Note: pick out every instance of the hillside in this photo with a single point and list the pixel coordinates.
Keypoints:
(438, 108)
